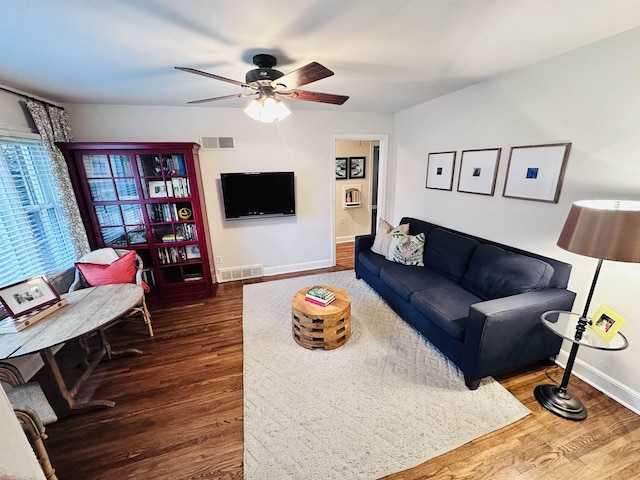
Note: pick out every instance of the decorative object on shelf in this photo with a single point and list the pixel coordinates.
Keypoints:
(440, 166)
(602, 229)
(478, 171)
(606, 323)
(356, 167)
(535, 172)
(158, 189)
(341, 167)
(28, 295)
(351, 196)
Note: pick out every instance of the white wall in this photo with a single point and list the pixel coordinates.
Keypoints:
(301, 143)
(588, 97)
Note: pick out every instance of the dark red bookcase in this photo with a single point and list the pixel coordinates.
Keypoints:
(147, 197)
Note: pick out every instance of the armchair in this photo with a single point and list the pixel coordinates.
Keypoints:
(106, 266)
(32, 410)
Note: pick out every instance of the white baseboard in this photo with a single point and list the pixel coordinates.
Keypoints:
(297, 267)
(603, 382)
(348, 238)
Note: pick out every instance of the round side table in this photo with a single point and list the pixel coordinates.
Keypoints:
(556, 398)
(327, 327)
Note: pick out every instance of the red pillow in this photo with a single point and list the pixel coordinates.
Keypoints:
(122, 270)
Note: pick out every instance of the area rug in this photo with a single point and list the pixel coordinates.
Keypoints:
(385, 401)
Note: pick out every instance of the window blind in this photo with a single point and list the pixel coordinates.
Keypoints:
(34, 232)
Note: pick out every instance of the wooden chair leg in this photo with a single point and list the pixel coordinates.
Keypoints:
(34, 430)
(147, 316)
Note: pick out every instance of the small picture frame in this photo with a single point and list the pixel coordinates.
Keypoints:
(606, 323)
(356, 167)
(478, 171)
(535, 172)
(440, 166)
(158, 189)
(192, 251)
(341, 168)
(28, 295)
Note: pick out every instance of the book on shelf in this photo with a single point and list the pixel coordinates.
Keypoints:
(17, 324)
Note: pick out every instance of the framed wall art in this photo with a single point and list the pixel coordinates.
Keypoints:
(28, 295)
(341, 167)
(440, 166)
(535, 172)
(478, 170)
(356, 167)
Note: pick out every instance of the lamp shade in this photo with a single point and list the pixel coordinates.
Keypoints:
(604, 229)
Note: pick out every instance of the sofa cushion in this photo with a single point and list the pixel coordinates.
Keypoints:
(446, 306)
(406, 279)
(448, 253)
(494, 273)
(383, 236)
(406, 249)
(372, 261)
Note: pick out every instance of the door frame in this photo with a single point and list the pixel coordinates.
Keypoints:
(383, 138)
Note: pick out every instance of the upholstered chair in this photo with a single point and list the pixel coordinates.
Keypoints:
(107, 266)
(33, 411)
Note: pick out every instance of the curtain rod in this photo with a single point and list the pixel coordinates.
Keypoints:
(23, 95)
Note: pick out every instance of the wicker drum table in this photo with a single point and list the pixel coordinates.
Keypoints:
(315, 326)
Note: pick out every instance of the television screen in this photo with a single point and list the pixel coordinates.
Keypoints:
(250, 195)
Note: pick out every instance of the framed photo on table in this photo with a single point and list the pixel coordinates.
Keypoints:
(440, 166)
(28, 295)
(535, 172)
(606, 323)
(356, 167)
(478, 171)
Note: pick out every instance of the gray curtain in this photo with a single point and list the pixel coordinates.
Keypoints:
(53, 125)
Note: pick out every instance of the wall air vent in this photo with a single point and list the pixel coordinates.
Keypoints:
(239, 273)
(218, 143)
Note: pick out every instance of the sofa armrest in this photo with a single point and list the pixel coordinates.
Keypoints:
(506, 333)
(363, 243)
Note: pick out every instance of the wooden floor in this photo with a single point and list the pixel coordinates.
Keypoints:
(179, 412)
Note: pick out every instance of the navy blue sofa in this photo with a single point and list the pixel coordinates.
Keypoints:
(477, 301)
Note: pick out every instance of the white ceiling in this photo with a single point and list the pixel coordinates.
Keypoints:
(387, 55)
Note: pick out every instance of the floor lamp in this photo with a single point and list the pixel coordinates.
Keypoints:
(602, 229)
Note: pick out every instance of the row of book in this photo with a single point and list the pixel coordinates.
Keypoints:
(168, 212)
(320, 295)
(178, 254)
(152, 166)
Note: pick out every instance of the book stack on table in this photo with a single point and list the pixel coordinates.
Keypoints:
(320, 295)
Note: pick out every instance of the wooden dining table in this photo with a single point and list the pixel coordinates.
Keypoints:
(88, 311)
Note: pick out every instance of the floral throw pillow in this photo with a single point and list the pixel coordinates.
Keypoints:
(407, 249)
(383, 236)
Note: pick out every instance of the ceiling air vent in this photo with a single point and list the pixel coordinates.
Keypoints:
(218, 143)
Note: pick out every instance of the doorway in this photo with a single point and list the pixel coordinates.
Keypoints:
(350, 220)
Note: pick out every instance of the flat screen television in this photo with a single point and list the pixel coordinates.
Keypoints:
(258, 194)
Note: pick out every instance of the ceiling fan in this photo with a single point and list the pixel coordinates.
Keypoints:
(267, 84)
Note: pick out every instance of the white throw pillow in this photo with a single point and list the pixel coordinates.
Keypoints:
(383, 236)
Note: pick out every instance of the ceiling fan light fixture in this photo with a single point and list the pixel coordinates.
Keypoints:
(267, 109)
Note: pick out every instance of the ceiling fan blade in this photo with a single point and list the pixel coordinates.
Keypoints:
(317, 97)
(309, 73)
(211, 75)
(237, 95)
